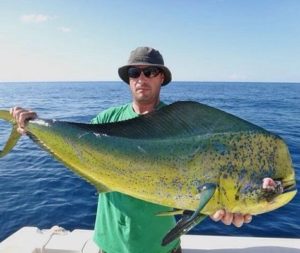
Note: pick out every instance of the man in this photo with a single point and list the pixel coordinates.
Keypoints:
(125, 224)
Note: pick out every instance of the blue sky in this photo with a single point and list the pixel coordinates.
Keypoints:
(201, 40)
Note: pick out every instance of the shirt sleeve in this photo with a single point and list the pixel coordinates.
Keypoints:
(98, 119)
(103, 117)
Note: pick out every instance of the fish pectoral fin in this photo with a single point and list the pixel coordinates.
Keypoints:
(183, 226)
(171, 212)
(190, 218)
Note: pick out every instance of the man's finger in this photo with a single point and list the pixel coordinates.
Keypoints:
(247, 218)
(227, 219)
(238, 220)
(218, 215)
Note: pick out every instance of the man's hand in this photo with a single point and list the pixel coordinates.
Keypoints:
(238, 219)
(21, 116)
(231, 218)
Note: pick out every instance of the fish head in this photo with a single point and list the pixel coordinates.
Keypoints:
(272, 187)
(259, 199)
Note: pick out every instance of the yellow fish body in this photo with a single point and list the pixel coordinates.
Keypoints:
(165, 157)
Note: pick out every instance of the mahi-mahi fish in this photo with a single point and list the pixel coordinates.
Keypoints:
(189, 156)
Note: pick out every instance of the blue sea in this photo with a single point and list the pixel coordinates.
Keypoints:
(36, 190)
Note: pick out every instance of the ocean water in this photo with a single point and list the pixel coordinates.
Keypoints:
(36, 190)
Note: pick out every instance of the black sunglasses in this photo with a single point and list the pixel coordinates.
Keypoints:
(149, 72)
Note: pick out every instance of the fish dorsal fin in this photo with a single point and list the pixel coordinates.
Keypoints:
(179, 119)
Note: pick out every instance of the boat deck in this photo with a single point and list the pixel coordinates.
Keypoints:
(58, 240)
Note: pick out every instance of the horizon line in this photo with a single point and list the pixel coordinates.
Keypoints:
(118, 81)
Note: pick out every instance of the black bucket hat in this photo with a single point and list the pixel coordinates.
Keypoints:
(145, 56)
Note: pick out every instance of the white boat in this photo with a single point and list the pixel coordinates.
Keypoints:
(59, 240)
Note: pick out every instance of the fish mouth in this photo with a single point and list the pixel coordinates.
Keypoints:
(289, 186)
(282, 194)
(285, 185)
(278, 187)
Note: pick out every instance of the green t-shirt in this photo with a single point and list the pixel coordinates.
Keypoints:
(125, 224)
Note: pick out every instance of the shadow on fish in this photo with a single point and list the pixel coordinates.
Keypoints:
(188, 156)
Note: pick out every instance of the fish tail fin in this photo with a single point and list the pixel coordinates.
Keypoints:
(14, 135)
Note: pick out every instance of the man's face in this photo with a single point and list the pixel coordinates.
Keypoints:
(145, 89)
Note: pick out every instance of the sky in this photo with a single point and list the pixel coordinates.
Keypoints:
(200, 40)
